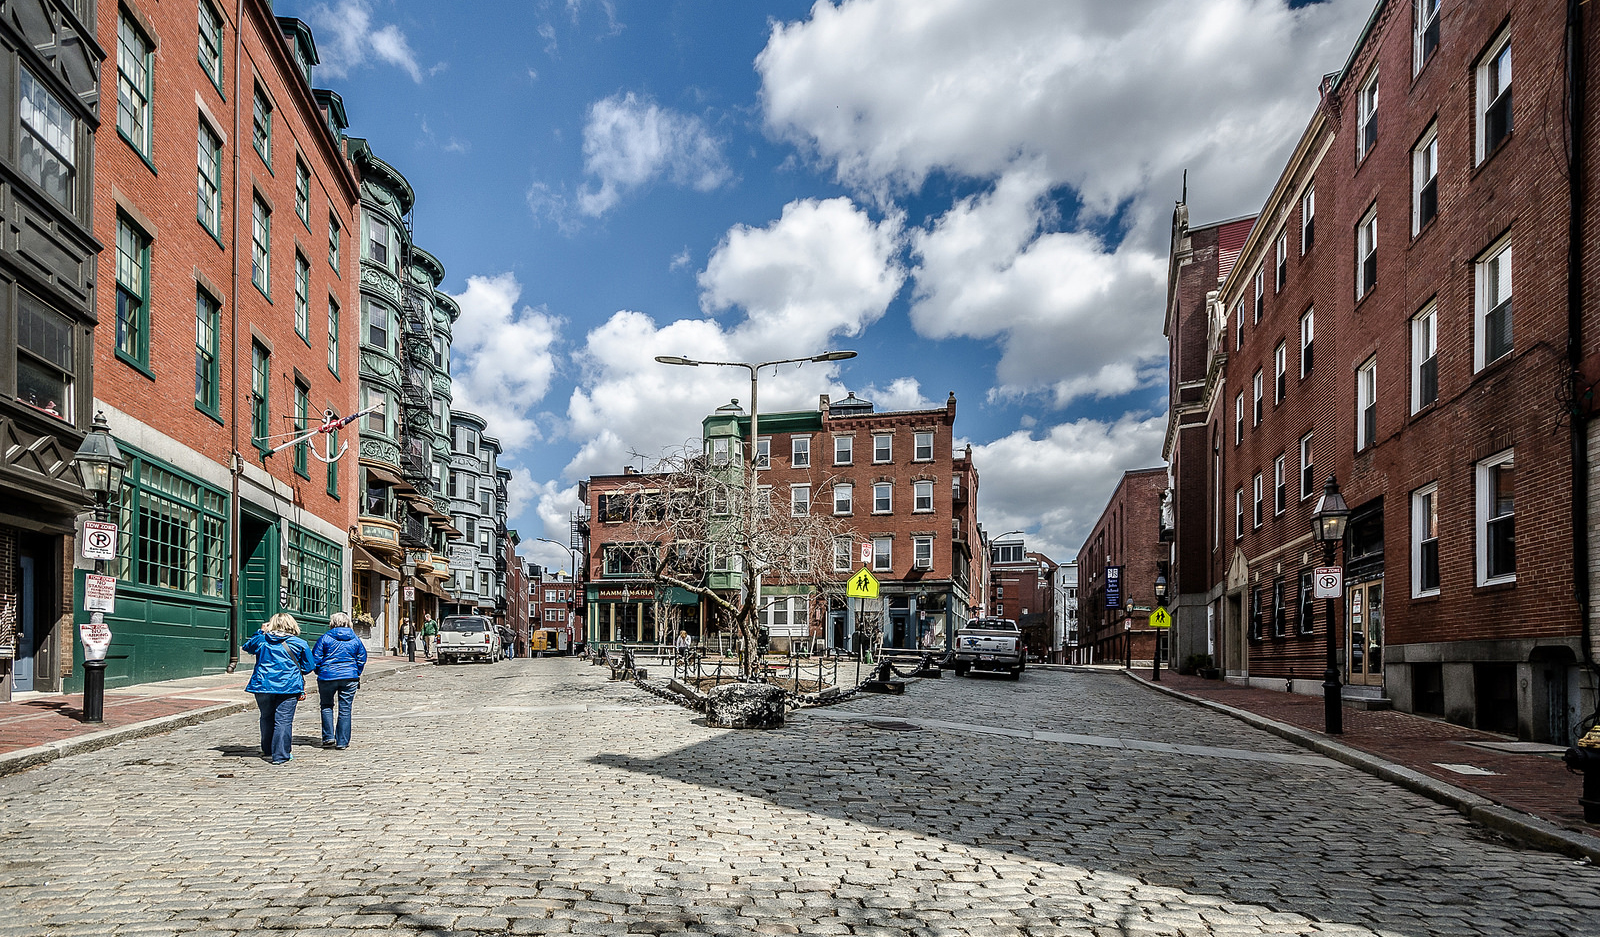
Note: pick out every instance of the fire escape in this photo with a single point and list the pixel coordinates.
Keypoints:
(416, 398)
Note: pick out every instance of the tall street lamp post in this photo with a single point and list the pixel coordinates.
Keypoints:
(1327, 527)
(1155, 652)
(100, 465)
(754, 370)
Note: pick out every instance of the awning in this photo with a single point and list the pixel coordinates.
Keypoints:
(430, 586)
(384, 476)
(366, 561)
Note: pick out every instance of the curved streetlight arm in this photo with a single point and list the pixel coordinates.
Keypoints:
(572, 553)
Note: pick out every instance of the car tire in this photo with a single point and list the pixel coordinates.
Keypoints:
(1016, 672)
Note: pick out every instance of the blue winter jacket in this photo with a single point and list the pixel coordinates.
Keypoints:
(281, 662)
(339, 655)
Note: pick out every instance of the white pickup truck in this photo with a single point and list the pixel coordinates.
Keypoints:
(990, 644)
(468, 637)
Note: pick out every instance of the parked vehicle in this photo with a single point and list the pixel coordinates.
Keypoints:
(468, 637)
(549, 641)
(993, 644)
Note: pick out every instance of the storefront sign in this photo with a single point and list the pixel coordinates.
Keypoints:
(99, 540)
(463, 556)
(1113, 587)
(99, 593)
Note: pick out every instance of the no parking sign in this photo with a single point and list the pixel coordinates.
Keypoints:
(1327, 582)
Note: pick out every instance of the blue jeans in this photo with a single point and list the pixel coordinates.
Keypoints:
(277, 723)
(345, 690)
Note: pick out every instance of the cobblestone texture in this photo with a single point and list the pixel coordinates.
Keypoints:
(534, 797)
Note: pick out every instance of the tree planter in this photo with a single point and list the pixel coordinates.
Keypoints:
(745, 706)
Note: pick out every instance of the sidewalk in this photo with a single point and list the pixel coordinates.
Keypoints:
(1520, 789)
(45, 727)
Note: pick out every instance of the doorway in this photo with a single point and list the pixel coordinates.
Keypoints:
(900, 634)
(1364, 612)
(258, 572)
(27, 622)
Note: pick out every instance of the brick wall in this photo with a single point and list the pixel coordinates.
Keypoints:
(1125, 535)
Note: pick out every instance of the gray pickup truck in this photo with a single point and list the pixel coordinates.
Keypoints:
(468, 637)
(990, 644)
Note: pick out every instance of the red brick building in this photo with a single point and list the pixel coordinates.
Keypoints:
(225, 326)
(1368, 330)
(1114, 607)
(1022, 587)
(553, 602)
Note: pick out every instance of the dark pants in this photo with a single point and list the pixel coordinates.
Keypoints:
(345, 691)
(277, 723)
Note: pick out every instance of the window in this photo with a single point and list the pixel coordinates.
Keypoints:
(1367, 116)
(377, 330)
(1255, 388)
(1280, 369)
(842, 499)
(133, 84)
(1304, 616)
(333, 339)
(333, 242)
(302, 416)
(438, 352)
(260, 374)
(1367, 253)
(1497, 540)
(1308, 329)
(1424, 32)
(1307, 468)
(922, 552)
(485, 501)
(45, 360)
(764, 453)
(843, 450)
(1425, 540)
(1238, 325)
(1283, 263)
(922, 447)
(49, 140)
(720, 452)
(1494, 98)
(210, 54)
(333, 466)
(1280, 488)
(207, 377)
(1425, 357)
(302, 192)
(375, 399)
(922, 497)
(882, 554)
(882, 447)
(1308, 219)
(302, 297)
(799, 500)
(1255, 496)
(1261, 294)
(174, 531)
(1238, 512)
(1367, 404)
(261, 127)
(882, 498)
(377, 240)
(208, 184)
(1425, 180)
(1493, 301)
(133, 293)
(800, 452)
(1279, 624)
(1238, 419)
(841, 554)
(764, 500)
(1008, 553)
(260, 246)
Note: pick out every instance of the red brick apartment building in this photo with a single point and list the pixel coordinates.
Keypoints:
(1368, 330)
(893, 477)
(1022, 587)
(553, 601)
(226, 204)
(1127, 536)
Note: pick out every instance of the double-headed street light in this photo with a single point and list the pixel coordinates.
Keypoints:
(1327, 527)
(100, 465)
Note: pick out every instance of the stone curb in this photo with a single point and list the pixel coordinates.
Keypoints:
(25, 758)
(1525, 828)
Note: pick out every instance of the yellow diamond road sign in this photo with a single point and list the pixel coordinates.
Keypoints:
(1161, 618)
(863, 585)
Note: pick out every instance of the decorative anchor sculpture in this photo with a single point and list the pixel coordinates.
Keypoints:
(331, 423)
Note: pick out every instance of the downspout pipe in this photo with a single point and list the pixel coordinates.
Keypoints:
(1579, 417)
(235, 460)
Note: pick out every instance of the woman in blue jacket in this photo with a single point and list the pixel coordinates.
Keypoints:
(278, 681)
(340, 657)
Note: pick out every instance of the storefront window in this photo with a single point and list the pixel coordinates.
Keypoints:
(173, 531)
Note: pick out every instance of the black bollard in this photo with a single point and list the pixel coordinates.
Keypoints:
(94, 691)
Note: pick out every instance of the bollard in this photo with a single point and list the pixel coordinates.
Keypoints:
(94, 691)
(1584, 758)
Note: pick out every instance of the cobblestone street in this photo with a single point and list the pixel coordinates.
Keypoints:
(534, 797)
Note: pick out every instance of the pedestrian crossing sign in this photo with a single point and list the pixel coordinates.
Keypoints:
(1161, 618)
(863, 585)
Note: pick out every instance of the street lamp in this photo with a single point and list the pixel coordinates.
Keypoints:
(100, 465)
(754, 370)
(1161, 602)
(1327, 527)
(572, 553)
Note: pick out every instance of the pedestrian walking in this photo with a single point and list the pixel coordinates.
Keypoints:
(430, 636)
(340, 657)
(408, 640)
(278, 681)
(683, 644)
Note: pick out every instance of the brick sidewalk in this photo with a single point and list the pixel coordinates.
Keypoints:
(1534, 783)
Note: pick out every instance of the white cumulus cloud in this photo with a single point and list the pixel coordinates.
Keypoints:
(629, 141)
(502, 357)
(347, 39)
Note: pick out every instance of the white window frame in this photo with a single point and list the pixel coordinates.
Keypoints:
(799, 500)
(844, 450)
(1423, 501)
(843, 494)
(843, 554)
(922, 497)
(1367, 115)
(922, 552)
(1238, 325)
(1424, 172)
(1280, 491)
(1308, 337)
(1308, 219)
(1424, 347)
(1255, 388)
(1308, 469)
(882, 448)
(1280, 368)
(1425, 17)
(1238, 513)
(1255, 500)
(883, 491)
(1260, 281)
(883, 554)
(1486, 74)
(1483, 475)
(721, 452)
(800, 452)
(1366, 396)
(1281, 269)
(764, 453)
(920, 442)
(1366, 246)
(1494, 268)
(1238, 419)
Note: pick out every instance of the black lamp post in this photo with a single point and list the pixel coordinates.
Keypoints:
(100, 465)
(1327, 527)
(1155, 650)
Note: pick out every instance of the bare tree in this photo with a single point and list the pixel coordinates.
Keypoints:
(696, 525)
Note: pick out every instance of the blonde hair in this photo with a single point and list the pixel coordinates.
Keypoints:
(338, 620)
(282, 623)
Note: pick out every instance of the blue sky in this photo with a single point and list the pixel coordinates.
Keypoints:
(974, 196)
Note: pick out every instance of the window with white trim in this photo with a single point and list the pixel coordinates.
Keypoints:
(1238, 325)
(1367, 253)
(800, 451)
(1261, 294)
(922, 497)
(135, 53)
(1238, 512)
(1425, 357)
(799, 500)
(843, 499)
(1255, 389)
(922, 447)
(1255, 499)
(882, 447)
(764, 453)
(1367, 403)
(1307, 469)
(1367, 116)
(1280, 368)
(922, 552)
(843, 450)
(882, 498)
(1282, 267)
(1424, 32)
(1238, 419)
(1280, 490)
(1425, 179)
(1308, 329)
(719, 452)
(1494, 97)
(882, 554)
(841, 554)
(1492, 302)
(1497, 540)
(1425, 540)
(1308, 219)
